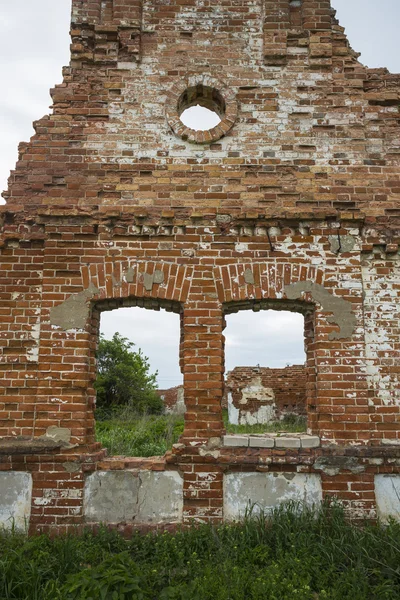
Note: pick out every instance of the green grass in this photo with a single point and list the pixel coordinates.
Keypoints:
(292, 555)
(129, 434)
(125, 433)
(289, 424)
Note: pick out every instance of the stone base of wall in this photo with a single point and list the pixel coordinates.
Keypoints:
(142, 498)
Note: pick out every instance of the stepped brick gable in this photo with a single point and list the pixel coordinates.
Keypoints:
(292, 202)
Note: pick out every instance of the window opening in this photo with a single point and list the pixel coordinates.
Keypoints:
(201, 107)
(139, 391)
(266, 374)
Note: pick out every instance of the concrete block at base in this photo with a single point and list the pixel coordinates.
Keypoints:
(287, 442)
(261, 442)
(265, 491)
(387, 494)
(310, 441)
(15, 500)
(160, 497)
(129, 496)
(236, 441)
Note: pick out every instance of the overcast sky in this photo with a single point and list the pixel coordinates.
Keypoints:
(34, 45)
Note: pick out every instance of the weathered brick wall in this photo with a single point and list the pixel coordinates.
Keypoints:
(292, 202)
(262, 395)
(173, 399)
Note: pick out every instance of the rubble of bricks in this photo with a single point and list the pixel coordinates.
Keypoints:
(252, 388)
(292, 202)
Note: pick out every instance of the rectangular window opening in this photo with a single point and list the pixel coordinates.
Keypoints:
(139, 410)
(269, 381)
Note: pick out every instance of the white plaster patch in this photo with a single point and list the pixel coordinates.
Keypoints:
(387, 493)
(233, 412)
(15, 500)
(255, 391)
(33, 353)
(266, 491)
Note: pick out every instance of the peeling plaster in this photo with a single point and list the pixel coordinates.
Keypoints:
(74, 312)
(343, 315)
(149, 280)
(265, 491)
(387, 493)
(57, 434)
(130, 275)
(15, 500)
(249, 277)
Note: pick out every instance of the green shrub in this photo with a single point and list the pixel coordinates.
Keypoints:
(117, 578)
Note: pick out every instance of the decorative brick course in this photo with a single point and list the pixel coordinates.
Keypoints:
(295, 207)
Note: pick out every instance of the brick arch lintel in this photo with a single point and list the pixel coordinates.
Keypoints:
(279, 281)
(262, 281)
(140, 279)
(122, 280)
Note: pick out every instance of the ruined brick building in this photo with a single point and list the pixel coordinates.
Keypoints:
(256, 395)
(291, 202)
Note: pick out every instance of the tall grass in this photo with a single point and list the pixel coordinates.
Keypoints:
(291, 554)
(124, 432)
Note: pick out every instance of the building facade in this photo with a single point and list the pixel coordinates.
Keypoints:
(290, 203)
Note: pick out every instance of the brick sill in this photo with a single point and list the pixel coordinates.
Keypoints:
(293, 440)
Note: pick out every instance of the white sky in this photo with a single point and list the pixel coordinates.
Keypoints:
(34, 45)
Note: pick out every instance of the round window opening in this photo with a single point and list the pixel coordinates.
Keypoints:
(201, 108)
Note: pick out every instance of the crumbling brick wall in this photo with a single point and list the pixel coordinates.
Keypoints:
(174, 400)
(291, 202)
(263, 395)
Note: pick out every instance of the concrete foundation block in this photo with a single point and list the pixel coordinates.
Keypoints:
(160, 497)
(266, 491)
(111, 497)
(287, 442)
(387, 494)
(310, 441)
(15, 500)
(261, 442)
(236, 441)
(133, 496)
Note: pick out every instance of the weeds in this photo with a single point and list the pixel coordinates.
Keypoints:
(289, 424)
(124, 432)
(291, 554)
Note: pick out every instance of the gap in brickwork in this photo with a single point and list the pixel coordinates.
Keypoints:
(265, 372)
(139, 393)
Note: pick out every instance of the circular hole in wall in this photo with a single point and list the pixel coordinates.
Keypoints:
(200, 118)
(201, 107)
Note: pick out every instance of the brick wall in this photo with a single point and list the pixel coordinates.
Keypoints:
(291, 202)
(173, 399)
(262, 395)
